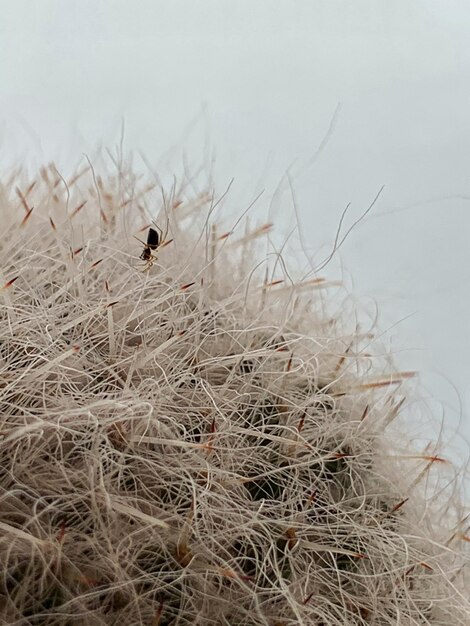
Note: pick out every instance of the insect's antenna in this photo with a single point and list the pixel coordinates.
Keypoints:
(163, 237)
(160, 231)
(140, 240)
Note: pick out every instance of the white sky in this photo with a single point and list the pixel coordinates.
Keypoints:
(268, 76)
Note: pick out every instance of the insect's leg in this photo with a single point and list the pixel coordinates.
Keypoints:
(163, 237)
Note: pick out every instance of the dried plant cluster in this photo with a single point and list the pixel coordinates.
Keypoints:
(190, 439)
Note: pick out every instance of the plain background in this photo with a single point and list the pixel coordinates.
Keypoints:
(346, 96)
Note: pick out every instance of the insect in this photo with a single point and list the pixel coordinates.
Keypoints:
(154, 241)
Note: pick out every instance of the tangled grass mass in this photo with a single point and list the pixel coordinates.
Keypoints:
(196, 437)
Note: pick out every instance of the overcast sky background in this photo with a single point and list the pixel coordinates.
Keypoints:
(261, 82)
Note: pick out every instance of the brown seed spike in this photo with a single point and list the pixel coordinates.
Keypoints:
(342, 455)
(225, 235)
(53, 226)
(301, 423)
(183, 554)
(30, 188)
(365, 413)
(307, 599)
(426, 566)
(74, 179)
(435, 459)
(78, 209)
(44, 175)
(26, 217)
(312, 497)
(158, 615)
(9, 283)
(19, 193)
(399, 505)
(393, 380)
(265, 228)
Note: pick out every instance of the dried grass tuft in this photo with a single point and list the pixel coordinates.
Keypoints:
(190, 442)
